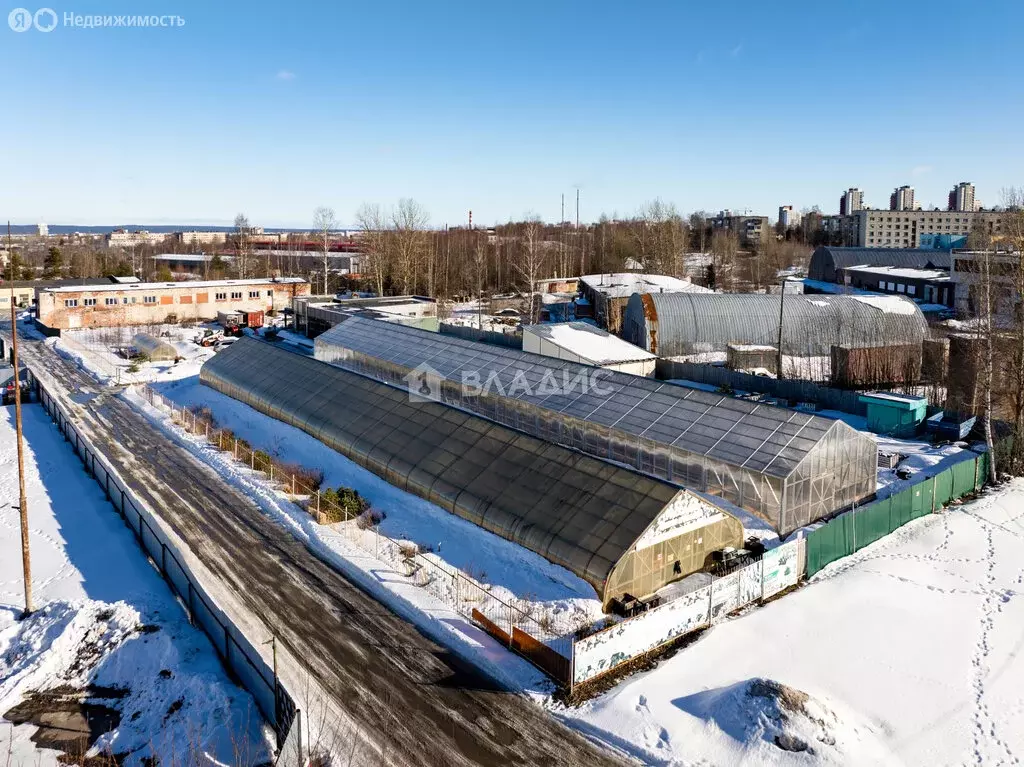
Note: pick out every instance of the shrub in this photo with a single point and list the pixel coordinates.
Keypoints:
(369, 518)
(408, 550)
(309, 478)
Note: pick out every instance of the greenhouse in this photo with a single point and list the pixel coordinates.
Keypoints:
(620, 530)
(790, 468)
(680, 324)
(154, 349)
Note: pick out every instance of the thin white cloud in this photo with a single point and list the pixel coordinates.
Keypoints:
(736, 51)
(285, 74)
(920, 170)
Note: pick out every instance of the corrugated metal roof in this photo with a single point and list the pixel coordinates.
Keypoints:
(754, 436)
(826, 260)
(576, 511)
(678, 324)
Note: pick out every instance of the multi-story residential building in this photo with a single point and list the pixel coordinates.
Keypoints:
(961, 197)
(200, 238)
(902, 198)
(151, 303)
(851, 201)
(904, 228)
(42, 230)
(121, 238)
(749, 229)
(788, 217)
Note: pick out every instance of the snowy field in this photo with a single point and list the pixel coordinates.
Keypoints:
(105, 619)
(909, 650)
(905, 653)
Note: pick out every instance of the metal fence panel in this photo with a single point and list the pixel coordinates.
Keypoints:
(963, 477)
(943, 488)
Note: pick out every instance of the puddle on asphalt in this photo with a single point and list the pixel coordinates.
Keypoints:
(70, 720)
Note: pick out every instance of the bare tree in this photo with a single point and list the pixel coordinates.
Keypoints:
(409, 221)
(1013, 232)
(375, 243)
(324, 221)
(243, 244)
(530, 258)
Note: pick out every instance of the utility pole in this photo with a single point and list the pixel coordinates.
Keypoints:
(22, 501)
(778, 353)
(578, 244)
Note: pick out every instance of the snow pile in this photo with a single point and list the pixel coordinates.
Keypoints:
(767, 721)
(107, 629)
(909, 651)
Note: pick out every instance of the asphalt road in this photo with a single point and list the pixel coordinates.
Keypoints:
(413, 701)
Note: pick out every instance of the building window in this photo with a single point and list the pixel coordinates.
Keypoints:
(901, 288)
(220, 296)
(270, 294)
(89, 302)
(236, 295)
(881, 284)
(149, 300)
(254, 294)
(110, 301)
(891, 286)
(911, 290)
(71, 303)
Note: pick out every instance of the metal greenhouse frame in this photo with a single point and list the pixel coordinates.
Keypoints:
(678, 324)
(790, 468)
(589, 516)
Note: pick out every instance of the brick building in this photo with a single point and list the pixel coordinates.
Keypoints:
(150, 303)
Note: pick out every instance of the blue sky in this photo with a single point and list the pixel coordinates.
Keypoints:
(274, 109)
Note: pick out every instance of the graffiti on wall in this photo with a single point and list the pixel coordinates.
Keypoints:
(599, 653)
(780, 569)
(607, 649)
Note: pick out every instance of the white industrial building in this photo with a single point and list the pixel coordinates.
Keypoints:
(588, 345)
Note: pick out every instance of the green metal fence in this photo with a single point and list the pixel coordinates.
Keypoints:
(854, 530)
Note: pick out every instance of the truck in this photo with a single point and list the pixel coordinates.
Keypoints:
(233, 322)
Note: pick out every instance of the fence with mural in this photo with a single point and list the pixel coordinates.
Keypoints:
(607, 650)
(854, 530)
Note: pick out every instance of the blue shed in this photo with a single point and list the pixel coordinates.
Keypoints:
(897, 414)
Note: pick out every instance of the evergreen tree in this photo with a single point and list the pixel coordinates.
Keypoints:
(53, 265)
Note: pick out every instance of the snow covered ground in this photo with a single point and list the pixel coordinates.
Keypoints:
(105, 619)
(508, 570)
(913, 645)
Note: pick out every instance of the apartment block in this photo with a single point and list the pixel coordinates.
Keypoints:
(902, 198)
(851, 201)
(961, 197)
(904, 228)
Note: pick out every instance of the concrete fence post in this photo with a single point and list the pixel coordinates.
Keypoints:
(293, 484)
(234, 450)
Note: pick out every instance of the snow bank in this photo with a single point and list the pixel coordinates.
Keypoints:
(889, 304)
(94, 590)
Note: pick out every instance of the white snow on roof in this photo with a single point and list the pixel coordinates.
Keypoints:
(893, 397)
(590, 343)
(818, 303)
(889, 304)
(625, 284)
(143, 286)
(910, 274)
(752, 347)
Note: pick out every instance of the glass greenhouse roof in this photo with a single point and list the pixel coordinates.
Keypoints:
(756, 437)
(574, 510)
